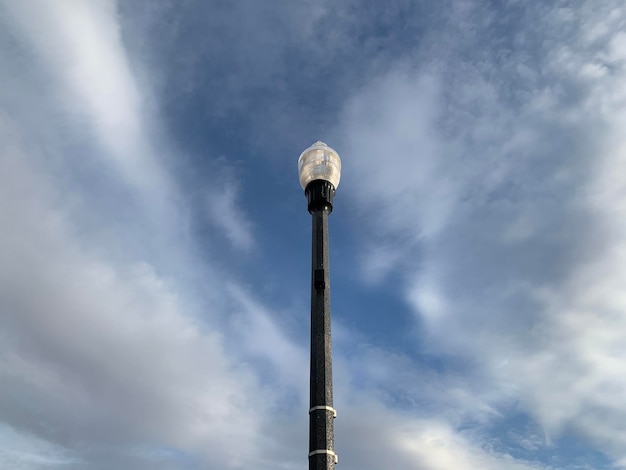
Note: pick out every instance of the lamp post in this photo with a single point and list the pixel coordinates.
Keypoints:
(319, 169)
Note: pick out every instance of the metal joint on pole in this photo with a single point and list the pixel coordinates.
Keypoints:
(320, 195)
(326, 452)
(325, 408)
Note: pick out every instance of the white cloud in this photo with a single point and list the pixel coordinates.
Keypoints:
(102, 349)
(506, 213)
(404, 163)
(381, 437)
(261, 337)
(224, 209)
(80, 46)
(103, 352)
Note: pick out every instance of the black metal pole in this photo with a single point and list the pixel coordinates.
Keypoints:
(321, 412)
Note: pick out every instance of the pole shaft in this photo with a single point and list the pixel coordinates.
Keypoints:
(321, 431)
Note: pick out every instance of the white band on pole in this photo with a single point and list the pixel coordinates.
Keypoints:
(324, 407)
(324, 451)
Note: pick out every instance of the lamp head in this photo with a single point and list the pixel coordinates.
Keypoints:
(319, 170)
(319, 162)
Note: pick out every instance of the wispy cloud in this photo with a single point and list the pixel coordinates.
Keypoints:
(106, 351)
(102, 350)
(501, 178)
(80, 49)
(224, 208)
(432, 444)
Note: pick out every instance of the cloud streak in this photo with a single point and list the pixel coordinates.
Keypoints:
(79, 46)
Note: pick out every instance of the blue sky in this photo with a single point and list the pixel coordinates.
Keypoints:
(154, 250)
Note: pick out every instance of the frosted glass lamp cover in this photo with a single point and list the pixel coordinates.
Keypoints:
(319, 162)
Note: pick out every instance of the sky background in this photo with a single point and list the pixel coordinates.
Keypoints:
(155, 243)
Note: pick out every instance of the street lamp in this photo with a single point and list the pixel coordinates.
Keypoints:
(319, 169)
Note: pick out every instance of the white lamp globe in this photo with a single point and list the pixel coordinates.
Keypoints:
(319, 162)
